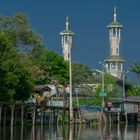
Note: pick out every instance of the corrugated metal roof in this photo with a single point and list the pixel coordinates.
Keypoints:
(41, 88)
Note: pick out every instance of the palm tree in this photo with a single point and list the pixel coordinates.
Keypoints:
(136, 69)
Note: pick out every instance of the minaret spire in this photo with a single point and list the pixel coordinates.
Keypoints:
(114, 62)
(67, 23)
(115, 14)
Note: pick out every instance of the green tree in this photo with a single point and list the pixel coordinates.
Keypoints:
(55, 68)
(133, 90)
(81, 74)
(136, 69)
(109, 87)
(12, 73)
(84, 78)
(19, 26)
(34, 61)
(21, 50)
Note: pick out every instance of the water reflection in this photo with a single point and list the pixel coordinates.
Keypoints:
(11, 133)
(21, 133)
(72, 132)
(33, 133)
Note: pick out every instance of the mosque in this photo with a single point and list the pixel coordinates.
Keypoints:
(114, 62)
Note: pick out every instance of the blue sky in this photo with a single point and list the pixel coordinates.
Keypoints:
(88, 20)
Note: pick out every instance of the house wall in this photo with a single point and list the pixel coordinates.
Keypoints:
(131, 107)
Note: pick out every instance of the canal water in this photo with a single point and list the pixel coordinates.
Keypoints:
(76, 132)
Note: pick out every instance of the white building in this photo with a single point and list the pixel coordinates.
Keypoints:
(67, 36)
(114, 62)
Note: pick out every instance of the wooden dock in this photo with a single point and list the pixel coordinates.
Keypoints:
(24, 114)
(32, 114)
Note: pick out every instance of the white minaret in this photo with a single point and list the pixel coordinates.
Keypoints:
(67, 45)
(67, 41)
(114, 62)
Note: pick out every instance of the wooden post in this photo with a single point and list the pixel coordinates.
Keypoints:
(0, 115)
(110, 117)
(50, 116)
(69, 116)
(64, 114)
(75, 117)
(100, 118)
(79, 115)
(62, 117)
(42, 115)
(126, 119)
(15, 116)
(26, 109)
(53, 116)
(4, 122)
(103, 117)
(57, 116)
(64, 105)
(118, 117)
(118, 129)
(33, 115)
(22, 115)
(12, 115)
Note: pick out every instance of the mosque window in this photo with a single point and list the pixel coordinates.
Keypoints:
(68, 55)
(117, 51)
(119, 66)
(108, 66)
(113, 66)
(111, 51)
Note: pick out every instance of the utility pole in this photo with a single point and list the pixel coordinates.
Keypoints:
(103, 82)
(123, 79)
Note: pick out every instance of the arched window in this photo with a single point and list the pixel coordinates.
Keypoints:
(119, 66)
(111, 51)
(113, 66)
(117, 51)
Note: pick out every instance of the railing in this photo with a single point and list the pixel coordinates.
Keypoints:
(56, 103)
(113, 110)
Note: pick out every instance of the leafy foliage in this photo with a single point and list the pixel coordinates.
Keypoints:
(25, 60)
(12, 72)
(81, 74)
(19, 26)
(133, 91)
(109, 88)
(56, 68)
(17, 42)
(135, 68)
